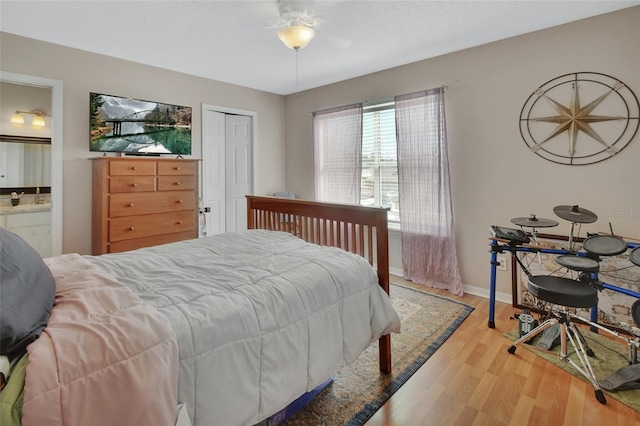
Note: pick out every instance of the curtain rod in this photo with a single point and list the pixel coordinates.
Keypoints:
(376, 102)
(452, 85)
(446, 86)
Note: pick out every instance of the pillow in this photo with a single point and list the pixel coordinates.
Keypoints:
(27, 291)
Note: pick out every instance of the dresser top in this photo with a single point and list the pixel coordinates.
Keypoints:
(142, 158)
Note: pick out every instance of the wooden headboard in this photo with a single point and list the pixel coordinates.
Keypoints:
(358, 229)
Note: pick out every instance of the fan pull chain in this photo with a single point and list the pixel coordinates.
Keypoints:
(297, 73)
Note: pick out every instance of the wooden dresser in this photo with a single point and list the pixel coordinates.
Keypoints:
(141, 202)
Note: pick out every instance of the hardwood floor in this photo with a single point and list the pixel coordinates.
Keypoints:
(473, 380)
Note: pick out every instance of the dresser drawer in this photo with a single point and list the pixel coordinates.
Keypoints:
(129, 227)
(174, 183)
(132, 168)
(176, 167)
(132, 184)
(153, 202)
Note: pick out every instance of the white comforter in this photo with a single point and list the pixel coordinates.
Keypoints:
(261, 317)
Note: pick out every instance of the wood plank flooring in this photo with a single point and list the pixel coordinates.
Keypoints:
(473, 380)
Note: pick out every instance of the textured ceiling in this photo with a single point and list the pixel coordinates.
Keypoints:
(236, 41)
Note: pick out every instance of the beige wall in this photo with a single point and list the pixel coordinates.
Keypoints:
(82, 72)
(494, 176)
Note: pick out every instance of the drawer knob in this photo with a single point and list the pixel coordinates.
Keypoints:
(179, 201)
(131, 228)
(179, 222)
(130, 205)
(177, 183)
(177, 168)
(134, 168)
(134, 184)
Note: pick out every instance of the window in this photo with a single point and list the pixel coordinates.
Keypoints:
(379, 182)
(387, 149)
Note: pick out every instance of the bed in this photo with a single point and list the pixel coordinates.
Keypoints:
(284, 314)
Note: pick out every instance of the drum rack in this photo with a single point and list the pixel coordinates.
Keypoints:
(499, 245)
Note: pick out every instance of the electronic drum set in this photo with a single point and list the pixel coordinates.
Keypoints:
(594, 246)
(561, 292)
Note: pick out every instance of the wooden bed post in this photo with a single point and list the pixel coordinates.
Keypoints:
(382, 248)
(250, 218)
(338, 225)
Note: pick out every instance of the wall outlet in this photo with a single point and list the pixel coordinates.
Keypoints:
(503, 263)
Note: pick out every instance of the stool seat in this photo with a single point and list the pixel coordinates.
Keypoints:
(563, 291)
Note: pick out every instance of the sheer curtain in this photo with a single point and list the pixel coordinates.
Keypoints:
(426, 219)
(337, 134)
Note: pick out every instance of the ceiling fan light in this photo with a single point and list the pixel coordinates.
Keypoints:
(296, 37)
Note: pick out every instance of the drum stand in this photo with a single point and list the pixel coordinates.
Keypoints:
(568, 330)
(556, 293)
(534, 237)
(632, 343)
(573, 224)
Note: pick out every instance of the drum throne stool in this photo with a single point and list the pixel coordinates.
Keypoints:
(559, 292)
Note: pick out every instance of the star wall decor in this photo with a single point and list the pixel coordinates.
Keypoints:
(580, 118)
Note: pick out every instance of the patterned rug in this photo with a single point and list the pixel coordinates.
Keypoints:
(359, 389)
(609, 357)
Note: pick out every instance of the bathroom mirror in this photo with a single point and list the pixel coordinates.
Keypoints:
(25, 164)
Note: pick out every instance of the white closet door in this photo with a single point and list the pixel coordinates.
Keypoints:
(213, 170)
(227, 170)
(238, 170)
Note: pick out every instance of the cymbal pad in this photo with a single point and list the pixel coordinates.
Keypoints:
(534, 222)
(575, 214)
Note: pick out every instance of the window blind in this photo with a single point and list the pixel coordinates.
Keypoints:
(379, 185)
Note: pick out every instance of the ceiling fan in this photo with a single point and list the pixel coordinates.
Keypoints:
(298, 25)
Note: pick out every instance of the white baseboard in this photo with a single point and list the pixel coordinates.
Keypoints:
(395, 271)
(476, 291)
(484, 292)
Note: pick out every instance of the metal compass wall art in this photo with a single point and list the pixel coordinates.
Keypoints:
(580, 118)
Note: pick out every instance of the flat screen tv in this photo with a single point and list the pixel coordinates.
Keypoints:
(138, 127)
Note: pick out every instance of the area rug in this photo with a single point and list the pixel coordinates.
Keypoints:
(359, 389)
(609, 357)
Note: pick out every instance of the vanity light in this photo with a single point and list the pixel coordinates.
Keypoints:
(38, 120)
(17, 118)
